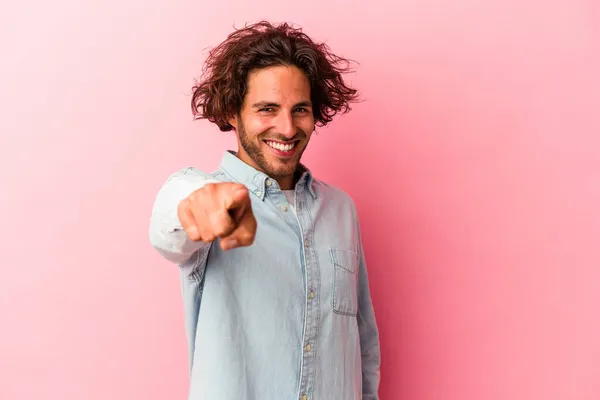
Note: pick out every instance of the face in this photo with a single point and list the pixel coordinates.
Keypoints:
(275, 122)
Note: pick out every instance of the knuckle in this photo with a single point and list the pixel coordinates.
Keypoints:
(209, 237)
(183, 205)
(220, 230)
(193, 200)
(207, 190)
(193, 234)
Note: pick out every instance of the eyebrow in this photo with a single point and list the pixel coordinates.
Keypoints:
(262, 104)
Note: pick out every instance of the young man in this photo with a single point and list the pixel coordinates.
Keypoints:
(275, 287)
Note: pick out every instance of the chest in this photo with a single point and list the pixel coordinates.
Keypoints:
(307, 254)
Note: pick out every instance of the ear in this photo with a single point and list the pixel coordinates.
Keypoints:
(233, 121)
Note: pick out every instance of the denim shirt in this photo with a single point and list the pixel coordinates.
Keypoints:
(289, 317)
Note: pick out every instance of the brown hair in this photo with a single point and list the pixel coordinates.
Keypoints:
(220, 93)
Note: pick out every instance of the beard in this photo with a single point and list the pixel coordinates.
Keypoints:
(279, 167)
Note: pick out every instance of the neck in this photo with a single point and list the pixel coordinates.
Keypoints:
(289, 182)
(285, 182)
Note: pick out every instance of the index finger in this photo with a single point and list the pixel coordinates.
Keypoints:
(237, 202)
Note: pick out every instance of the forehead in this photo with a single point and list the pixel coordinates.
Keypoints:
(278, 83)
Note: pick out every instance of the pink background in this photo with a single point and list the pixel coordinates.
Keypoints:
(474, 162)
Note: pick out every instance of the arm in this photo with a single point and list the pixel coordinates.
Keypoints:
(166, 232)
(369, 333)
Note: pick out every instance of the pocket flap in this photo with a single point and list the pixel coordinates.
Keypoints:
(346, 259)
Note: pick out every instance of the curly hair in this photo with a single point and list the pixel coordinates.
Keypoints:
(219, 95)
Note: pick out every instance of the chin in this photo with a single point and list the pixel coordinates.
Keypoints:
(281, 169)
(281, 172)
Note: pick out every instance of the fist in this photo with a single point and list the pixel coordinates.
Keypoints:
(219, 210)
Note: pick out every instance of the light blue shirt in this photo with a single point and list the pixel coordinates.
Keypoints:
(289, 317)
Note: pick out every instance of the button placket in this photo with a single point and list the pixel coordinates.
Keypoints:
(311, 270)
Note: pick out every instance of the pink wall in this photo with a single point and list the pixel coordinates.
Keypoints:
(477, 184)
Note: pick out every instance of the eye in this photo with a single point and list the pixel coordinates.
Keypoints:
(266, 109)
(300, 110)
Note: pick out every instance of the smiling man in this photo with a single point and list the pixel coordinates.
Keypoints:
(275, 286)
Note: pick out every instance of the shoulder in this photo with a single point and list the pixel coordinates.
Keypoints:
(194, 175)
(185, 180)
(332, 193)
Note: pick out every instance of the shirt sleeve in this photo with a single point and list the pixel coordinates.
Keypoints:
(369, 332)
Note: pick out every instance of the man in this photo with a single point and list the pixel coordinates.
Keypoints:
(275, 287)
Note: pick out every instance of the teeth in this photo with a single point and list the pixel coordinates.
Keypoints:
(281, 146)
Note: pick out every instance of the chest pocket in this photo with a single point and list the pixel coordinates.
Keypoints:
(345, 267)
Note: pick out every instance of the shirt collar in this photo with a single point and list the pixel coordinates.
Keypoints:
(258, 182)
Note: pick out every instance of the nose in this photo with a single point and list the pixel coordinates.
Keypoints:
(285, 125)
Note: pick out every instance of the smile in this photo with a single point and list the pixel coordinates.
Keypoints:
(282, 147)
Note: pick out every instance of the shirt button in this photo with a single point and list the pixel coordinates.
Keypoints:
(307, 348)
(259, 193)
(269, 182)
(304, 397)
(284, 207)
(306, 243)
(311, 295)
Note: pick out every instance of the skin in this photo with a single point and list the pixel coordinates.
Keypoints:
(276, 108)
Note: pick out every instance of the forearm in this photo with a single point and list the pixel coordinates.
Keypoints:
(166, 233)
